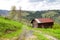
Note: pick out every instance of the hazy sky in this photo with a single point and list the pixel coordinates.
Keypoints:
(30, 4)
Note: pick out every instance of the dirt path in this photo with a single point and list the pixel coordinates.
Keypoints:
(29, 35)
(33, 37)
(50, 37)
(47, 36)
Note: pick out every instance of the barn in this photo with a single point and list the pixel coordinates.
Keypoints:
(42, 23)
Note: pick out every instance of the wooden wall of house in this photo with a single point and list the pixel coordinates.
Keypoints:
(45, 25)
(35, 24)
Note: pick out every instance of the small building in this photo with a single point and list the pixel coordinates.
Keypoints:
(42, 23)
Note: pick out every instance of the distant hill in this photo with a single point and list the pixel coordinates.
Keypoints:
(4, 12)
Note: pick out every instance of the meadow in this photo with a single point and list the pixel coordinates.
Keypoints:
(10, 28)
(55, 31)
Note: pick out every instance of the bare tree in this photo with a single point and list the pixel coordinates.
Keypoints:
(19, 15)
(12, 12)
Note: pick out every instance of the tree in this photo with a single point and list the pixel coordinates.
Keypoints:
(13, 12)
(50, 14)
(19, 15)
(57, 19)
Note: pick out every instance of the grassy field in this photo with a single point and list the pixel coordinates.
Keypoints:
(40, 36)
(53, 32)
(9, 28)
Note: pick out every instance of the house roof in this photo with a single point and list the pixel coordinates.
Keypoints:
(44, 20)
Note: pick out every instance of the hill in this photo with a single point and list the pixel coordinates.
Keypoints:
(55, 14)
(9, 28)
(29, 15)
(4, 12)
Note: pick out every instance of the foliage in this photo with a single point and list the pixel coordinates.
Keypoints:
(41, 14)
(56, 26)
(49, 14)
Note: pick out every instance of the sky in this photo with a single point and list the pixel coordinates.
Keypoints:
(31, 5)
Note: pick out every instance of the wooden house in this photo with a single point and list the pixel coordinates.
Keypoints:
(42, 23)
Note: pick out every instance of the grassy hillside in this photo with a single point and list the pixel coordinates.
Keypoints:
(55, 32)
(52, 32)
(9, 28)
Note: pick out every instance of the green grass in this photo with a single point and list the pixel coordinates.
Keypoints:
(13, 34)
(40, 36)
(53, 32)
(9, 28)
(56, 26)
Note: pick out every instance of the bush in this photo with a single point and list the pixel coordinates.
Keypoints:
(56, 26)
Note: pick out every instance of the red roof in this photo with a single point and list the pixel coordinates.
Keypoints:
(44, 20)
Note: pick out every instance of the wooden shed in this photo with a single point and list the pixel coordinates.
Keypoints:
(42, 23)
